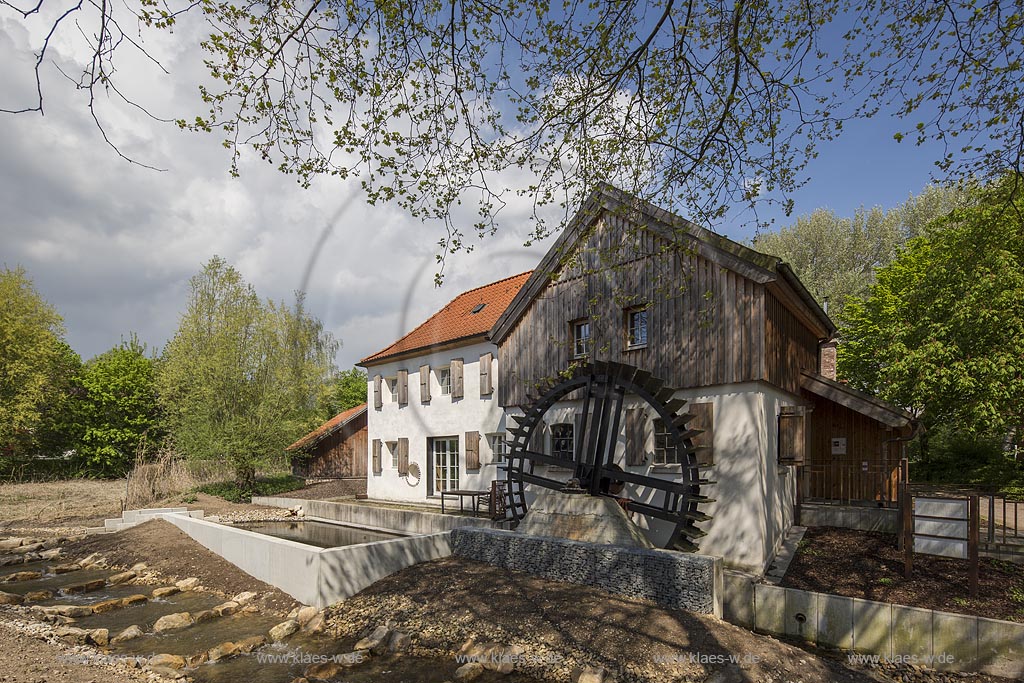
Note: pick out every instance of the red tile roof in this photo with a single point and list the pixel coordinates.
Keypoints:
(327, 428)
(457, 320)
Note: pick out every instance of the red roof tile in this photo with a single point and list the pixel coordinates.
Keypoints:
(327, 428)
(457, 320)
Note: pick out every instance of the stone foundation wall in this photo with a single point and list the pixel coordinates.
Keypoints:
(670, 579)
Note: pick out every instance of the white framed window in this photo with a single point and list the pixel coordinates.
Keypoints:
(563, 440)
(446, 463)
(393, 450)
(393, 388)
(444, 378)
(580, 338)
(664, 453)
(499, 447)
(636, 328)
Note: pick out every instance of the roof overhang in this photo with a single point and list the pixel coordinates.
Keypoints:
(858, 401)
(423, 350)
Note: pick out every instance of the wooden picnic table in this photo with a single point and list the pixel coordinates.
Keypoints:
(462, 494)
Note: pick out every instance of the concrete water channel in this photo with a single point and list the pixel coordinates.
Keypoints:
(57, 589)
(320, 534)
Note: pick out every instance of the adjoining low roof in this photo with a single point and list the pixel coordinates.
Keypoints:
(327, 428)
(754, 265)
(865, 404)
(469, 315)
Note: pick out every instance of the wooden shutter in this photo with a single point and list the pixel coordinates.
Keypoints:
(403, 456)
(457, 391)
(792, 435)
(636, 445)
(472, 450)
(377, 400)
(424, 384)
(376, 457)
(486, 386)
(403, 387)
(537, 439)
(703, 418)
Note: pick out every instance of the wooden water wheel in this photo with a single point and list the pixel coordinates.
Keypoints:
(603, 387)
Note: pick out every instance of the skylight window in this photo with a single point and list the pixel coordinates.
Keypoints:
(478, 308)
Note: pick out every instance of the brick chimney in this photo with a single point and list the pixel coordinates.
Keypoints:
(827, 359)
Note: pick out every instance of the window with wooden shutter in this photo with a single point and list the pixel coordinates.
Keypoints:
(424, 384)
(636, 444)
(377, 468)
(486, 387)
(792, 435)
(403, 387)
(457, 390)
(403, 457)
(378, 401)
(472, 450)
(703, 419)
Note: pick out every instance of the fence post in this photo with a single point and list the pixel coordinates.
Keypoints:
(973, 521)
(908, 530)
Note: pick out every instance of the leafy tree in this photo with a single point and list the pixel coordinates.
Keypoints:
(346, 390)
(241, 377)
(709, 103)
(836, 257)
(115, 408)
(942, 330)
(32, 361)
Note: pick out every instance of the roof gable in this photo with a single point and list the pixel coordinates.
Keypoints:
(753, 265)
(467, 316)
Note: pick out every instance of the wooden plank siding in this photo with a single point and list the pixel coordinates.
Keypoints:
(869, 470)
(790, 347)
(341, 455)
(706, 323)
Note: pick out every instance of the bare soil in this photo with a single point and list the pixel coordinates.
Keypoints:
(449, 601)
(24, 659)
(169, 551)
(70, 503)
(864, 564)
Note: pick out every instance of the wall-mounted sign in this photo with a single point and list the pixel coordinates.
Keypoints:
(839, 445)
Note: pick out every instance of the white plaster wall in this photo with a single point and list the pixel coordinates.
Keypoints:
(442, 416)
(754, 497)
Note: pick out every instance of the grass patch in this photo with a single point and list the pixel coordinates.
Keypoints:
(265, 486)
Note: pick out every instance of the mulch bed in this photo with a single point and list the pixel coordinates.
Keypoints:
(864, 564)
(334, 488)
(166, 549)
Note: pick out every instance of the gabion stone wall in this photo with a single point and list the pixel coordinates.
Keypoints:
(670, 579)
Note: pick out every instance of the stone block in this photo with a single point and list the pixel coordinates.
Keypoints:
(835, 621)
(769, 608)
(738, 599)
(1001, 648)
(872, 627)
(954, 641)
(801, 618)
(911, 633)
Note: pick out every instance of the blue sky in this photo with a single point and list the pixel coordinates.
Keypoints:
(112, 245)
